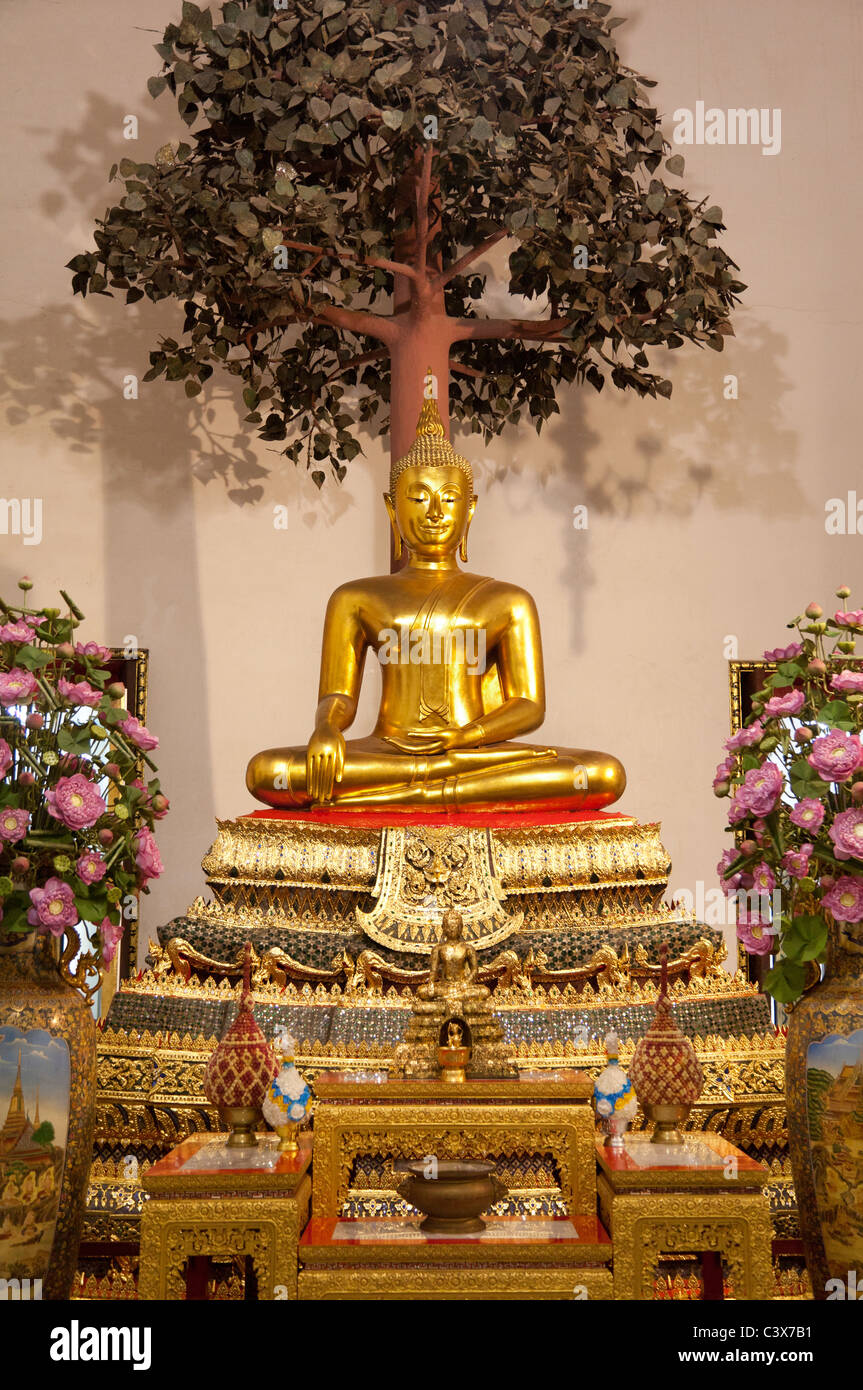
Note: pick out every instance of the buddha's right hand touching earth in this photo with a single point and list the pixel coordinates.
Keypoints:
(325, 762)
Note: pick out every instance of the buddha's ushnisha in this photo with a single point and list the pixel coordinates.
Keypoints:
(462, 674)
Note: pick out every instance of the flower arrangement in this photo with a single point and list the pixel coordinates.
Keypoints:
(794, 776)
(76, 816)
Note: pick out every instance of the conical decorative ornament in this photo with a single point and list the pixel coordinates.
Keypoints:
(664, 1069)
(241, 1068)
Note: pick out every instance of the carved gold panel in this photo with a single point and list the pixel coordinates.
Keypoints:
(267, 1229)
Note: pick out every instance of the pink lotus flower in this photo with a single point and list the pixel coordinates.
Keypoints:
(762, 787)
(847, 682)
(744, 738)
(763, 879)
(75, 802)
(808, 814)
(846, 832)
(736, 810)
(19, 632)
(53, 907)
(797, 861)
(93, 650)
(5, 757)
(147, 854)
(845, 899)
(79, 692)
(729, 885)
(91, 867)
(780, 705)
(836, 755)
(854, 618)
(111, 934)
(755, 933)
(784, 653)
(17, 687)
(14, 823)
(137, 734)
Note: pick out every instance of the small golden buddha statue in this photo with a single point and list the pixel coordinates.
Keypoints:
(462, 674)
(452, 1010)
(453, 967)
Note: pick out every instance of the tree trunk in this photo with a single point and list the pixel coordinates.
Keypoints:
(423, 345)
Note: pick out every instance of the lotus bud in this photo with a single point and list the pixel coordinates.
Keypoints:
(51, 612)
(827, 880)
(35, 720)
(66, 650)
(843, 592)
(846, 645)
(721, 788)
(749, 847)
(27, 780)
(25, 583)
(21, 864)
(116, 690)
(111, 770)
(106, 837)
(814, 610)
(817, 667)
(857, 791)
(803, 735)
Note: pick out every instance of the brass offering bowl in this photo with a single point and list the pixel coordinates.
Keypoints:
(453, 1061)
(451, 1193)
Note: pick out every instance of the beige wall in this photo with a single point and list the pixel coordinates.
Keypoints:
(706, 516)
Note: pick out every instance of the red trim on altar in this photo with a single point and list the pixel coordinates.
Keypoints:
(378, 820)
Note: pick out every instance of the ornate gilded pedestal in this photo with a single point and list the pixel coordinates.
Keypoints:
(208, 1200)
(373, 1118)
(566, 914)
(540, 1258)
(701, 1197)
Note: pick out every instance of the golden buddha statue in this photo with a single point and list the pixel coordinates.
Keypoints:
(461, 662)
(453, 967)
(452, 1010)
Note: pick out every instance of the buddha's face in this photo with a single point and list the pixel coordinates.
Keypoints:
(432, 509)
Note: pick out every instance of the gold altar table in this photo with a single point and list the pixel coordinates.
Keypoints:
(514, 1258)
(205, 1199)
(360, 1114)
(702, 1197)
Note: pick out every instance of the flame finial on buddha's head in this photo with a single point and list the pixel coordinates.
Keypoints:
(431, 446)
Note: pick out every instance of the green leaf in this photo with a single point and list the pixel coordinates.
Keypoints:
(33, 658)
(835, 713)
(785, 981)
(676, 164)
(156, 85)
(805, 938)
(481, 129)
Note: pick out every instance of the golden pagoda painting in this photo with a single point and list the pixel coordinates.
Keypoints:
(34, 1097)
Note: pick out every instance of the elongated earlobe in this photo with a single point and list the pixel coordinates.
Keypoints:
(397, 540)
(462, 549)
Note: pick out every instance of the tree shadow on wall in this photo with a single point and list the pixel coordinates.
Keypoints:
(68, 362)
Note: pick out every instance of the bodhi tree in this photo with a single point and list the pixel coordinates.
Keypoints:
(350, 166)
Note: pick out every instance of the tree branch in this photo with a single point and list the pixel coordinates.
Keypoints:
(377, 262)
(467, 259)
(357, 362)
(362, 322)
(466, 371)
(540, 330)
